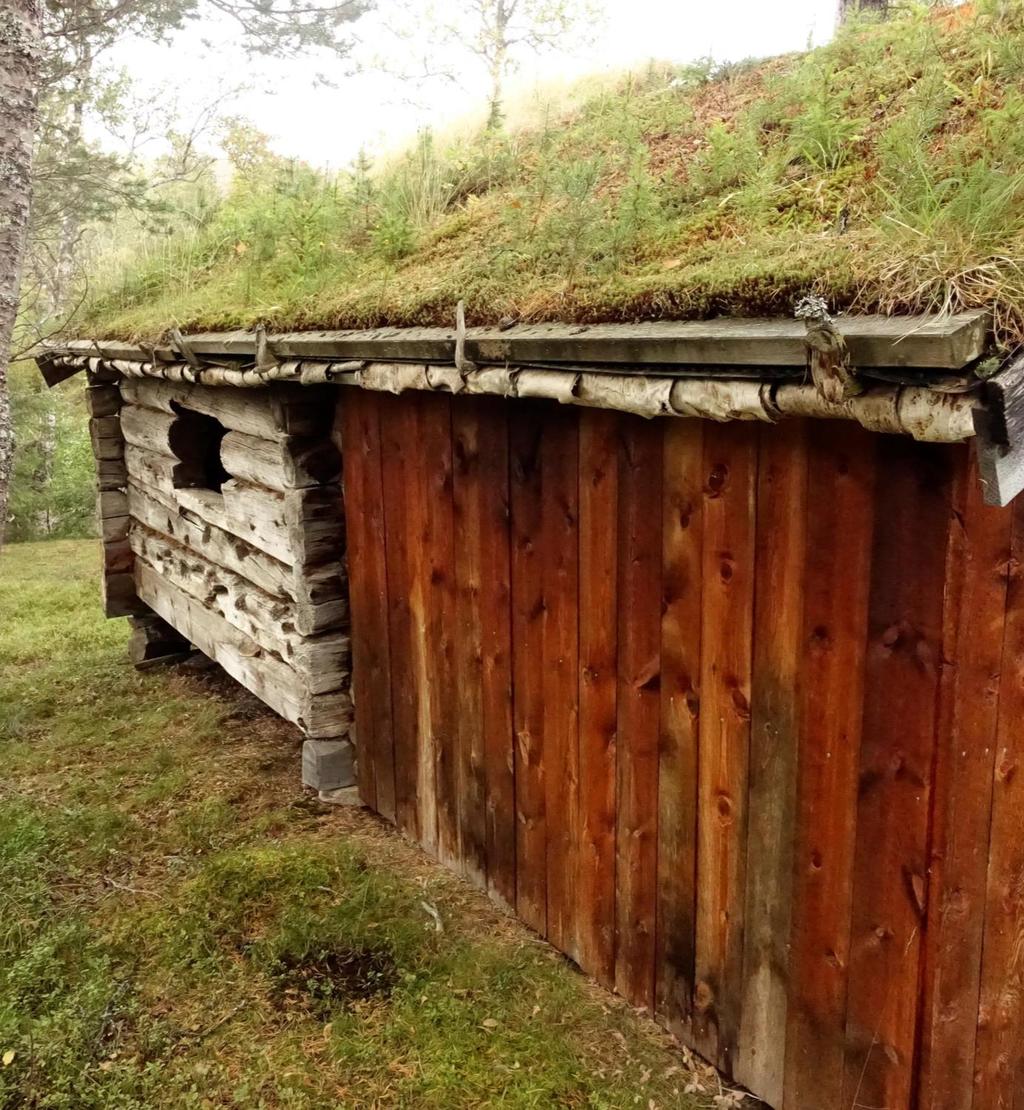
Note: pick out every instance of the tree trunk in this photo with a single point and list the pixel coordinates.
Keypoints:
(19, 64)
(848, 8)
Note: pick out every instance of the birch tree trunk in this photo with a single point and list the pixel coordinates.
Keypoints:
(19, 61)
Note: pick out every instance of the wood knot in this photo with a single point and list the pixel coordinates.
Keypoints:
(718, 480)
(703, 997)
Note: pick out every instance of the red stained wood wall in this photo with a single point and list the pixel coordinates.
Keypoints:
(732, 714)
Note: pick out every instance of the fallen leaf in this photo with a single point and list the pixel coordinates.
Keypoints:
(8, 1058)
(489, 1023)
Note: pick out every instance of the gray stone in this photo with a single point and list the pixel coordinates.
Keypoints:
(328, 764)
(346, 796)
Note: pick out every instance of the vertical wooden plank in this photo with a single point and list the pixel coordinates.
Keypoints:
(495, 608)
(896, 756)
(976, 570)
(560, 557)
(483, 687)
(437, 675)
(774, 739)
(639, 676)
(730, 468)
(682, 508)
(468, 500)
(496, 643)
(841, 475)
(359, 421)
(402, 536)
(526, 424)
(598, 617)
(999, 1059)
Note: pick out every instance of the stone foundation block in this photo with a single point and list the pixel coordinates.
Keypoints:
(328, 764)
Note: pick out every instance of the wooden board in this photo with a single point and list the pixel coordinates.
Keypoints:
(398, 427)
(999, 1050)
(639, 707)
(901, 685)
(559, 553)
(598, 694)
(946, 342)
(976, 604)
(439, 750)
(682, 533)
(730, 482)
(526, 427)
(780, 554)
(359, 421)
(840, 514)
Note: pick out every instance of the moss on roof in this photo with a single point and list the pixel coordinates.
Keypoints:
(885, 171)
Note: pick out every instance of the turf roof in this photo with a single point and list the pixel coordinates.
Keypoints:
(884, 171)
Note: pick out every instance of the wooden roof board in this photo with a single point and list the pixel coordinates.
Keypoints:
(939, 342)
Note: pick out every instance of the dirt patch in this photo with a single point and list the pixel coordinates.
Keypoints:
(322, 982)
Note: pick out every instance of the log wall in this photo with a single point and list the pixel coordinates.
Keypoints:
(252, 572)
(731, 714)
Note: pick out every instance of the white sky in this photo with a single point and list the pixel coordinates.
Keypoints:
(327, 126)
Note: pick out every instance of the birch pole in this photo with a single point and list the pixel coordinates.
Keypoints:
(19, 62)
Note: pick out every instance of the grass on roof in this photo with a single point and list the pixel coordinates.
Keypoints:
(884, 171)
(182, 927)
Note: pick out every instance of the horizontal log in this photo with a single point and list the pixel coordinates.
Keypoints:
(947, 342)
(269, 413)
(107, 439)
(318, 593)
(323, 660)
(119, 597)
(153, 508)
(103, 400)
(114, 529)
(284, 464)
(111, 503)
(270, 679)
(148, 429)
(111, 474)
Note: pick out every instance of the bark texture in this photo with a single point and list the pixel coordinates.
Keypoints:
(19, 61)
(849, 8)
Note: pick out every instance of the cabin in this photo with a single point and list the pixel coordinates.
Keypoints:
(698, 645)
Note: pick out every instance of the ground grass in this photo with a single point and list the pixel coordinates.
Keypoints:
(180, 926)
(885, 171)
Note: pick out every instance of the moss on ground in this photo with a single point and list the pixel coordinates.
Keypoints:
(885, 171)
(181, 927)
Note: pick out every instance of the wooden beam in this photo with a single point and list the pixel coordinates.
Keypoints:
(925, 342)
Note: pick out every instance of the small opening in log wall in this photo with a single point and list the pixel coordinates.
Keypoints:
(195, 439)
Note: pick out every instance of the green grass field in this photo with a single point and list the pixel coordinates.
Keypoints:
(180, 926)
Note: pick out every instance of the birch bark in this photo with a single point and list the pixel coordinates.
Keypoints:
(19, 64)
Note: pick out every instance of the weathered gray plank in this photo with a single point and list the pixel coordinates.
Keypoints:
(928, 342)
